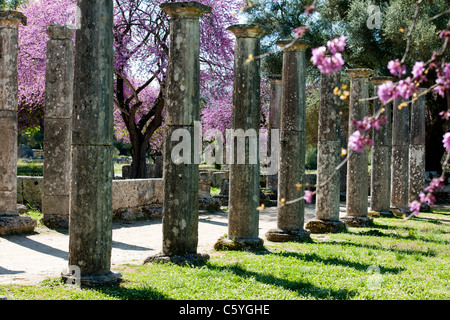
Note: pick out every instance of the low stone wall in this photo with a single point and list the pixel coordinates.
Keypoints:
(132, 199)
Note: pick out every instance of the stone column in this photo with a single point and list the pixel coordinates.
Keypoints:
(243, 152)
(328, 159)
(380, 183)
(58, 125)
(182, 105)
(291, 216)
(400, 157)
(357, 166)
(274, 122)
(90, 223)
(10, 221)
(417, 149)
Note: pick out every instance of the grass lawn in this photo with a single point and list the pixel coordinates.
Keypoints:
(410, 260)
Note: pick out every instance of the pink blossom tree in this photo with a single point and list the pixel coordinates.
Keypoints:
(141, 34)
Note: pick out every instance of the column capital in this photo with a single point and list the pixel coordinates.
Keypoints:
(185, 10)
(275, 77)
(247, 30)
(359, 72)
(293, 45)
(60, 32)
(11, 19)
(377, 80)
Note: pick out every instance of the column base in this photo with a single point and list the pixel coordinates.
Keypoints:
(224, 244)
(96, 280)
(279, 235)
(192, 258)
(378, 214)
(54, 221)
(325, 226)
(16, 224)
(356, 221)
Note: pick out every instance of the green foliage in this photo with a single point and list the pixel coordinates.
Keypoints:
(11, 4)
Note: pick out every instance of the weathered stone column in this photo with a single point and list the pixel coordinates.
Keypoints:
(10, 221)
(380, 183)
(417, 149)
(182, 105)
(90, 227)
(400, 157)
(58, 127)
(357, 166)
(243, 144)
(274, 122)
(291, 216)
(328, 159)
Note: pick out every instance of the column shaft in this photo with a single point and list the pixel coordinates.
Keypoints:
(243, 142)
(357, 166)
(417, 149)
(58, 124)
(328, 159)
(274, 122)
(10, 221)
(400, 156)
(291, 216)
(380, 183)
(182, 104)
(90, 228)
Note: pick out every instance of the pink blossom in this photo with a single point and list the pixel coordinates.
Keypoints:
(387, 91)
(435, 185)
(444, 34)
(300, 31)
(357, 141)
(336, 45)
(445, 115)
(418, 70)
(446, 141)
(310, 9)
(318, 54)
(414, 207)
(396, 68)
(406, 88)
(427, 198)
(308, 196)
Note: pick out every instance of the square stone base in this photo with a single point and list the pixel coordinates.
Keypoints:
(180, 260)
(278, 235)
(325, 226)
(356, 221)
(96, 280)
(54, 221)
(224, 244)
(16, 224)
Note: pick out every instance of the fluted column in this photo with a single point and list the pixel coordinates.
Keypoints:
(291, 216)
(357, 166)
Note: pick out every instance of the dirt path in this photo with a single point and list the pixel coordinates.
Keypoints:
(29, 259)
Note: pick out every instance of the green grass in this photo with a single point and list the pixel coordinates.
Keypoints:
(29, 168)
(412, 258)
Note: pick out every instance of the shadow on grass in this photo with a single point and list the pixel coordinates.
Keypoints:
(145, 292)
(302, 288)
